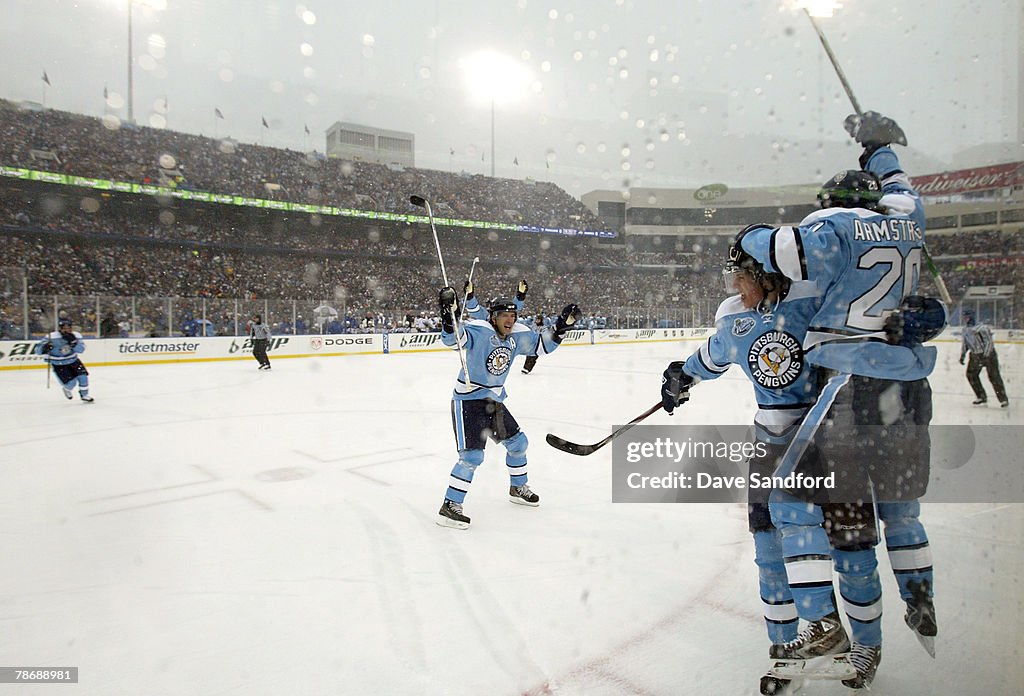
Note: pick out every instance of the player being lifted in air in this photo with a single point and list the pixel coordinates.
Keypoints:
(478, 409)
(864, 249)
(761, 330)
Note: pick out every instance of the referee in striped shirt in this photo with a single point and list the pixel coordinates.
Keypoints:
(260, 335)
(977, 340)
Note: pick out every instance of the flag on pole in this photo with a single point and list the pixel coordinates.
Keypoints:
(46, 78)
(515, 161)
(105, 93)
(217, 113)
(264, 122)
(306, 127)
(481, 157)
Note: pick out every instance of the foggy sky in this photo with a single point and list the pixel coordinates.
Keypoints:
(619, 93)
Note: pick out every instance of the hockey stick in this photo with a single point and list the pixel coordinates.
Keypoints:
(465, 295)
(48, 370)
(583, 450)
(835, 63)
(932, 268)
(421, 202)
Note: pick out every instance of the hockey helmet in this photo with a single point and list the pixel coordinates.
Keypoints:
(739, 261)
(501, 304)
(64, 322)
(852, 188)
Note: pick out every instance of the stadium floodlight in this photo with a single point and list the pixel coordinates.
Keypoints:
(494, 77)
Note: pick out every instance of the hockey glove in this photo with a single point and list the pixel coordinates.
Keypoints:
(521, 290)
(872, 129)
(448, 303)
(675, 386)
(570, 315)
(919, 319)
(961, 360)
(467, 290)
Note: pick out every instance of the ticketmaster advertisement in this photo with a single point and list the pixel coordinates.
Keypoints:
(725, 464)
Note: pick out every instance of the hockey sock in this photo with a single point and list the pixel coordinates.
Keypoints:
(780, 617)
(462, 474)
(515, 458)
(861, 591)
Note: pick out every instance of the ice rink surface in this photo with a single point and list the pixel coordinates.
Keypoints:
(211, 529)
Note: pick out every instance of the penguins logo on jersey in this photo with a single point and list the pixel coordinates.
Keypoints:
(775, 359)
(499, 360)
(741, 326)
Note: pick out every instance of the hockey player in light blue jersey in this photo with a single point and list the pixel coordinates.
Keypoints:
(864, 250)
(62, 348)
(477, 311)
(478, 411)
(761, 330)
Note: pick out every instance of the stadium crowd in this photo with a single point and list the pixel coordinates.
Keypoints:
(76, 243)
(68, 143)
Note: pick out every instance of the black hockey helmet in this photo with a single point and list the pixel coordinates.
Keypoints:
(501, 304)
(851, 188)
(739, 261)
(64, 321)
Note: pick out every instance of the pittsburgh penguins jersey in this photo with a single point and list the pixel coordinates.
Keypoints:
(489, 357)
(768, 347)
(865, 263)
(61, 351)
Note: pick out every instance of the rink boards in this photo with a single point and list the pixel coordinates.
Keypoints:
(16, 355)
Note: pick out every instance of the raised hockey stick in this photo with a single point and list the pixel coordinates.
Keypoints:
(421, 202)
(465, 295)
(583, 450)
(932, 268)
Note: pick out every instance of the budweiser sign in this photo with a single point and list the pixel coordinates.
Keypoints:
(965, 180)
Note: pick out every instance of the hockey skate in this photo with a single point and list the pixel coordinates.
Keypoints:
(979, 402)
(865, 659)
(450, 515)
(920, 616)
(775, 686)
(86, 399)
(818, 652)
(522, 495)
(67, 392)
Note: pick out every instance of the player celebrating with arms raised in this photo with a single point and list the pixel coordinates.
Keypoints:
(478, 411)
